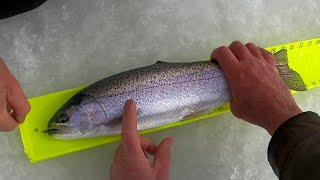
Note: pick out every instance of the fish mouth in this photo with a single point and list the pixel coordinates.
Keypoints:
(55, 130)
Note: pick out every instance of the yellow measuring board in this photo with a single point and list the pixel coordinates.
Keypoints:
(303, 57)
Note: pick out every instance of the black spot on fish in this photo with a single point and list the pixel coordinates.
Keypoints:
(76, 99)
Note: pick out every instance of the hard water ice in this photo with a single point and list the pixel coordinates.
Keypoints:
(65, 44)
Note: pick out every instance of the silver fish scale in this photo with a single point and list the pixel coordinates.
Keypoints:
(164, 92)
(149, 76)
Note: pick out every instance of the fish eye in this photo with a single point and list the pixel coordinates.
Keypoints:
(63, 117)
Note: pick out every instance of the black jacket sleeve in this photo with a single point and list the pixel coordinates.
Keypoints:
(294, 149)
(10, 8)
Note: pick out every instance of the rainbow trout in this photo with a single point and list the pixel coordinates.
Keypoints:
(165, 93)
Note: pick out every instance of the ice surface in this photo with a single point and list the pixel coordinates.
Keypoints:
(64, 44)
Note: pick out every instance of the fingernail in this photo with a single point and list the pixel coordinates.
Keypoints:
(20, 121)
(170, 141)
(130, 101)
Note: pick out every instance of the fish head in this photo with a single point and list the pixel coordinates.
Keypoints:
(80, 117)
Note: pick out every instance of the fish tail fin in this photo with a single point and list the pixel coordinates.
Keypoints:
(290, 77)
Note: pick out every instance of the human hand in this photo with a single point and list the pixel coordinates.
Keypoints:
(131, 162)
(259, 95)
(14, 106)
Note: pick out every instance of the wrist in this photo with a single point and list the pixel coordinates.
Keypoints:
(276, 121)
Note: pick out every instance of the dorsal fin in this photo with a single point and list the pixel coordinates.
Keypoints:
(160, 62)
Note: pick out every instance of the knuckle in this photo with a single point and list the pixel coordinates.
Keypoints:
(242, 54)
(243, 76)
(222, 50)
(249, 71)
(237, 43)
(163, 154)
(251, 45)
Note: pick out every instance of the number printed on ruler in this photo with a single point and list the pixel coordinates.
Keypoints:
(299, 45)
(295, 45)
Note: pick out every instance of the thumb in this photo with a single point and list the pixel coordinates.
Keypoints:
(18, 102)
(161, 163)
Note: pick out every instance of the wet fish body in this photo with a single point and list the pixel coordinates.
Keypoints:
(165, 93)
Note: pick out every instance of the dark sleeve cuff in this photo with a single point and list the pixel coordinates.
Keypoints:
(288, 136)
(15, 7)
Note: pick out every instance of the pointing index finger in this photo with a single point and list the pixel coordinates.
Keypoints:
(129, 133)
